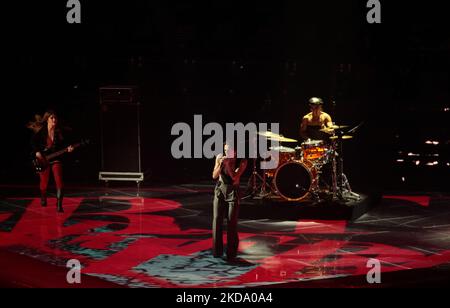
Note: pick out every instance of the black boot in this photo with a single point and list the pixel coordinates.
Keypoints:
(43, 198)
(59, 202)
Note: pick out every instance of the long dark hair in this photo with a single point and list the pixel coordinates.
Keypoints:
(40, 122)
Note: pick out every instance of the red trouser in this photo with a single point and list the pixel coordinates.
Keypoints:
(57, 174)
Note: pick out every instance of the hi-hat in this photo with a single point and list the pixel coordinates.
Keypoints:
(327, 130)
(334, 127)
(339, 126)
(345, 137)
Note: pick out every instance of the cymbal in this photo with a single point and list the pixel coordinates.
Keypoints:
(276, 137)
(283, 149)
(282, 139)
(327, 130)
(345, 137)
(338, 126)
(268, 134)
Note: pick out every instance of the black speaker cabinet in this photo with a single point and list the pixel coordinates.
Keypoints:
(120, 134)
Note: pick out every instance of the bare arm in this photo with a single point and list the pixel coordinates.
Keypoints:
(328, 122)
(217, 167)
(303, 127)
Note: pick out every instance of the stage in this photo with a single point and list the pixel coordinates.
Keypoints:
(162, 238)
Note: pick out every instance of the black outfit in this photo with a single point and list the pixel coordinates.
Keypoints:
(226, 202)
(39, 142)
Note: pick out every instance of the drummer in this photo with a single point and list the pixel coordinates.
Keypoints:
(316, 125)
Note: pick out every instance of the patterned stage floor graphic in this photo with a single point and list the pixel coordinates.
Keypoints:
(164, 238)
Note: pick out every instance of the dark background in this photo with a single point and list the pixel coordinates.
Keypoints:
(234, 61)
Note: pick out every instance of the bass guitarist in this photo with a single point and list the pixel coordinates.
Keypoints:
(48, 138)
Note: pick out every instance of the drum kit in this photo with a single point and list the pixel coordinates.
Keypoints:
(300, 174)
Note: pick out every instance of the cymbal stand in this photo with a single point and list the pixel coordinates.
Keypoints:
(334, 173)
(257, 191)
(341, 185)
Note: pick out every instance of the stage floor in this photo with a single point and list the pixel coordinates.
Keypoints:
(163, 238)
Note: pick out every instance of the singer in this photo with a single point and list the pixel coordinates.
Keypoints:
(226, 201)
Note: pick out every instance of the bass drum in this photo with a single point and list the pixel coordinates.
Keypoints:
(295, 179)
(284, 155)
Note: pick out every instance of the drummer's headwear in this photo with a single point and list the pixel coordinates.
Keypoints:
(315, 101)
